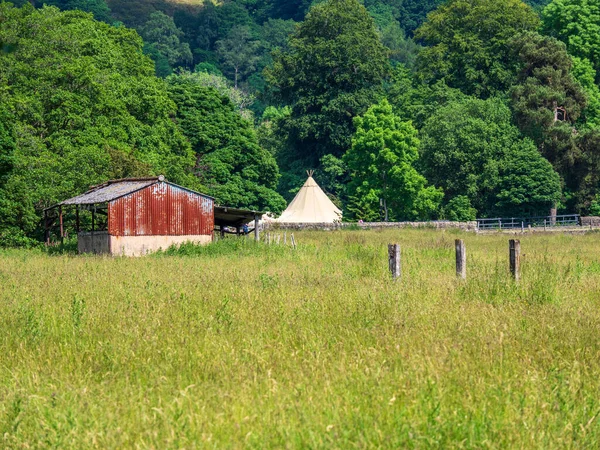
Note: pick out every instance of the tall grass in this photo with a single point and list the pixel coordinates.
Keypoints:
(245, 345)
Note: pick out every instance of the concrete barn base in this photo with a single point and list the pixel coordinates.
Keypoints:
(103, 243)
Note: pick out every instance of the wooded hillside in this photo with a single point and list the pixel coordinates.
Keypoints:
(407, 109)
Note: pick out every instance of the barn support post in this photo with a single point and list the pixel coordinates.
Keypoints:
(256, 232)
(77, 222)
(461, 259)
(46, 228)
(514, 249)
(394, 261)
(60, 219)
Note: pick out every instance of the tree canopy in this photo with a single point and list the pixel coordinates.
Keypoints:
(468, 44)
(577, 24)
(494, 102)
(382, 170)
(84, 107)
(231, 165)
(161, 32)
(471, 149)
(332, 72)
(544, 84)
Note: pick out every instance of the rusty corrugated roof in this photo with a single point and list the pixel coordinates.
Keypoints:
(109, 191)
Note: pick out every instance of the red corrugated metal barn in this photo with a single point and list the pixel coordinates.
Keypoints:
(133, 217)
(136, 216)
(161, 209)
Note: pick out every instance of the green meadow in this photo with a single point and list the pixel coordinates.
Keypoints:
(244, 345)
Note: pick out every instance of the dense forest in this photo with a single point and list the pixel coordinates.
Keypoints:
(406, 109)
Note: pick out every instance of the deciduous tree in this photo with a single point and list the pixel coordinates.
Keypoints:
(381, 163)
(468, 44)
(577, 24)
(471, 148)
(163, 34)
(84, 107)
(230, 163)
(238, 53)
(332, 72)
(98, 8)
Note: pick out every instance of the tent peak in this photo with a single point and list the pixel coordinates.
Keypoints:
(311, 205)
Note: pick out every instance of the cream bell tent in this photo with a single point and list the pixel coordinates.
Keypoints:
(311, 205)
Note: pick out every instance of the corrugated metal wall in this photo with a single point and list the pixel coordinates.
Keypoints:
(161, 209)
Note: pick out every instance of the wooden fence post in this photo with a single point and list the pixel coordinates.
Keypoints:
(394, 261)
(514, 249)
(461, 259)
(293, 241)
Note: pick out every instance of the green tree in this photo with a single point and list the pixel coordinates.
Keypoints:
(415, 101)
(577, 24)
(584, 179)
(160, 31)
(332, 72)
(230, 163)
(584, 73)
(14, 214)
(402, 49)
(98, 8)
(468, 44)
(545, 93)
(414, 13)
(276, 32)
(240, 99)
(85, 107)
(548, 102)
(471, 148)
(267, 131)
(459, 209)
(238, 53)
(382, 173)
(333, 178)
(131, 13)
(231, 15)
(162, 67)
(527, 185)
(289, 9)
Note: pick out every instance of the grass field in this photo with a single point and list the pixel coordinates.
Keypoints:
(240, 345)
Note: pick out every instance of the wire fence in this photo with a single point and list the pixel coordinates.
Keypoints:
(499, 223)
